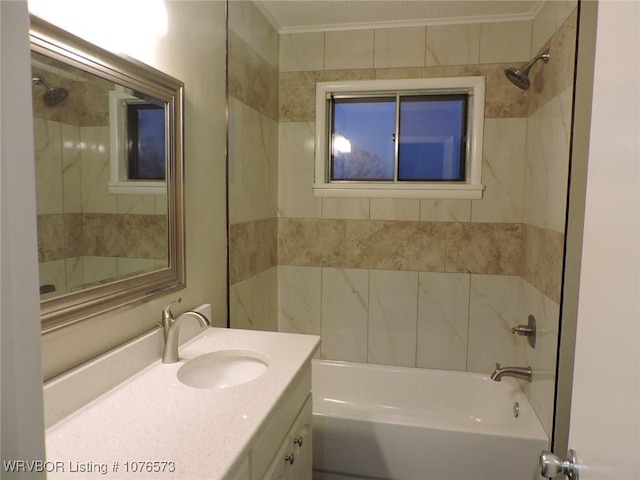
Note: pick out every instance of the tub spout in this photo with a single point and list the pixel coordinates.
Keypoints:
(524, 373)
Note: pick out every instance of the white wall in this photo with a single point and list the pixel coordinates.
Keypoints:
(21, 401)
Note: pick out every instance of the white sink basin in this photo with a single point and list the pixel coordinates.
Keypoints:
(223, 368)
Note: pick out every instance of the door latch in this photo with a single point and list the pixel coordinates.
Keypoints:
(551, 465)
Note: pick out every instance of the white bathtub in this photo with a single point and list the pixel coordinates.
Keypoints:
(381, 422)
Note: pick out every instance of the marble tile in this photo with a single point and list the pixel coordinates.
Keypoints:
(96, 171)
(98, 269)
(436, 210)
(547, 163)
(241, 304)
(393, 310)
(503, 161)
(252, 163)
(265, 300)
(253, 248)
(264, 39)
(505, 42)
(136, 204)
(297, 96)
(550, 79)
(443, 320)
(131, 266)
(549, 19)
(489, 248)
(346, 208)
(395, 209)
(397, 73)
(348, 49)
(493, 311)
(137, 236)
(49, 166)
(543, 254)
(318, 243)
(74, 267)
(543, 358)
(391, 245)
(345, 312)
(73, 235)
(252, 79)
(53, 273)
(399, 47)
(239, 17)
(296, 170)
(299, 299)
(50, 237)
(71, 169)
(301, 52)
(453, 44)
(502, 98)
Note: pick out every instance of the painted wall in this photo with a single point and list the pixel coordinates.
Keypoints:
(192, 50)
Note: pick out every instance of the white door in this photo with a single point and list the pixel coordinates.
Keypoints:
(605, 408)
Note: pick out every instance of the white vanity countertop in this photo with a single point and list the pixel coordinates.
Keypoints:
(153, 417)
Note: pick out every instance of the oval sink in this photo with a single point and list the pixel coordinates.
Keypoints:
(223, 368)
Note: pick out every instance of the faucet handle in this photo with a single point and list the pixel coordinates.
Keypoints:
(166, 311)
(497, 366)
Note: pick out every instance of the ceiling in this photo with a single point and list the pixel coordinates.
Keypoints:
(292, 16)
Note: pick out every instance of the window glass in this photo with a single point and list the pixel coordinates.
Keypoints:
(362, 139)
(146, 139)
(432, 138)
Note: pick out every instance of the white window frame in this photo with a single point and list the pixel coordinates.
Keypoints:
(471, 188)
(120, 183)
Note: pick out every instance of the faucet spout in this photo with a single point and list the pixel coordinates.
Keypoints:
(525, 373)
(171, 329)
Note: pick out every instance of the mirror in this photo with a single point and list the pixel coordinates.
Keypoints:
(109, 176)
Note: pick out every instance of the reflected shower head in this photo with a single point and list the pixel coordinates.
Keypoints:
(520, 76)
(53, 96)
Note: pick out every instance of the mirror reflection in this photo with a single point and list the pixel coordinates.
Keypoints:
(108, 134)
(98, 145)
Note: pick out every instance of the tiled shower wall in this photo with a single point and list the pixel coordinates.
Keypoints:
(426, 283)
(253, 168)
(86, 234)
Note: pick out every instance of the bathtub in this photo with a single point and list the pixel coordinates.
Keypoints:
(382, 422)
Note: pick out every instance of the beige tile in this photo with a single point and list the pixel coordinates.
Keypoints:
(252, 79)
(551, 16)
(345, 312)
(50, 237)
(96, 171)
(301, 52)
(48, 162)
(71, 169)
(453, 45)
(73, 235)
(346, 208)
(252, 248)
(296, 170)
(493, 311)
(488, 248)
(396, 245)
(299, 299)
(348, 49)
(393, 310)
(503, 163)
(443, 320)
(399, 47)
(297, 96)
(397, 73)
(265, 40)
(395, 209)
(432, 210)
(309, 242)
(505, 42)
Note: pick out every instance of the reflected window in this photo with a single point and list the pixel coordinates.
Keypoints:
(145, 141)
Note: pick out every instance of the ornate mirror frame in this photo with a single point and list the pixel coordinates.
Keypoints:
(60, 45)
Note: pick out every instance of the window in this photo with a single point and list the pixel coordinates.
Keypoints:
(401, 138)
(138, 144)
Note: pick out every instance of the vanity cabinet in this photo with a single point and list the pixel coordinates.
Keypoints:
(294, 460)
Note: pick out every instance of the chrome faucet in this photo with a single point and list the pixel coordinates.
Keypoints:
(171, 329)
(524, 373)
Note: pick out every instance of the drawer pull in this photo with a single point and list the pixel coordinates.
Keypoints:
(290, 459)
(298, 441)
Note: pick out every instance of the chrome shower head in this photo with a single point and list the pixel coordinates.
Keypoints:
(53, 96)
(520, 76)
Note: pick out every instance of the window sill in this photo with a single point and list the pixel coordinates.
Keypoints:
(445, 191)
(137, 188)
